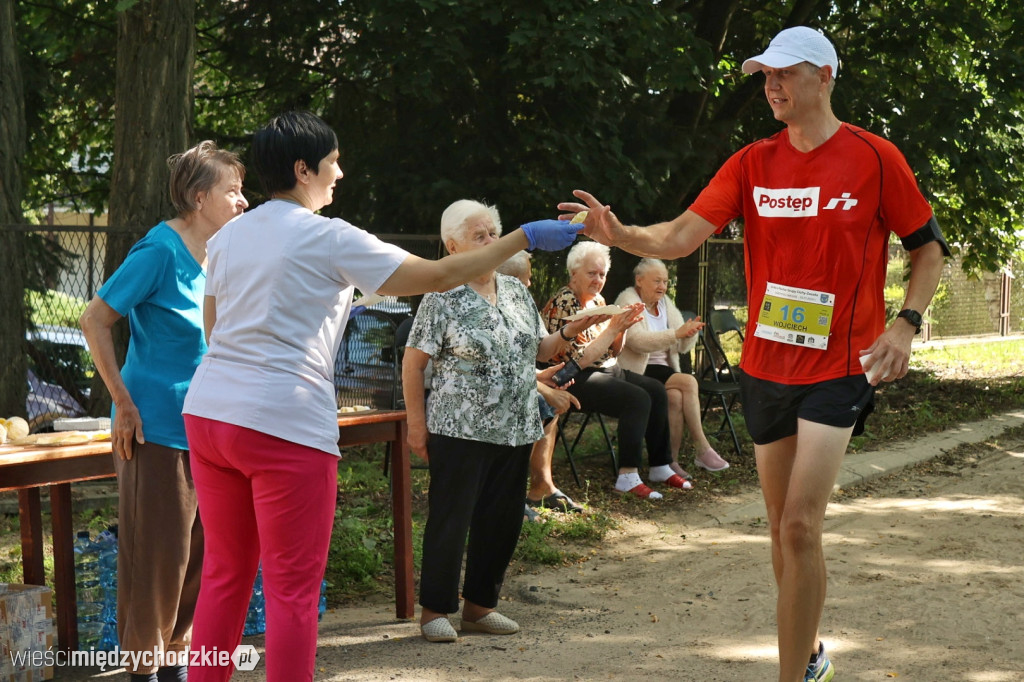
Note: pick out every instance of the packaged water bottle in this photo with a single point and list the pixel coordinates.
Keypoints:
(256, 618)
(89, 635)
(322, 606)
(107, 543)
(108, 637)
(88, 591)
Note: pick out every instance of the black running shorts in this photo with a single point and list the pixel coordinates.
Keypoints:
(772, 409)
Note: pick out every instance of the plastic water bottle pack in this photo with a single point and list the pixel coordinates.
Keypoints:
(256, 617)
(88, 591)
(107, 542)
(96, 589)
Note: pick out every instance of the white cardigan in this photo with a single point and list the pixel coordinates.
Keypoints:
(641, 341)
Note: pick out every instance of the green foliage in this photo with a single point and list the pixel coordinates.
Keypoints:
(355, 559)
(433, 101)
(895, 78)
(68, 50)
(54, 307)
(520, 103)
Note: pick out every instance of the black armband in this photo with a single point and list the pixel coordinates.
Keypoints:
(929, 232)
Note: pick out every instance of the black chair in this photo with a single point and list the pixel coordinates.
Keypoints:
(686, 359)
(366, 369)
(717, 381)
(724, 321)
(563, 422)
(401, 339)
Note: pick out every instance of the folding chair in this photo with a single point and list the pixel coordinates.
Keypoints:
(686, 359)
(724, 321)
(717, 382)
(401, 339)
(569, 449)
(366, 370)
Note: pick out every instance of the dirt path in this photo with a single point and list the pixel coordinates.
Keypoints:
(926, 583)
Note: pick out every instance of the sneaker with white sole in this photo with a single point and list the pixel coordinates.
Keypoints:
(820, 668)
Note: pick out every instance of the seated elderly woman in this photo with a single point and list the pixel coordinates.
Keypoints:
(483, 340)
(652, 348)
(640, 403)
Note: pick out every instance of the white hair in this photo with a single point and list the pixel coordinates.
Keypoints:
(516, 265)
(648, 264)
(461, 212)
(584, 251)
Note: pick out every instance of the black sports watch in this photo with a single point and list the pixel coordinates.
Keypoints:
(913, 317)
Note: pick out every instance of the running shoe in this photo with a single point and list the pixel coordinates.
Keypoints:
(819, 668)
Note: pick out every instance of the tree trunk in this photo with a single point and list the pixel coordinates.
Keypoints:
(13, 366)
(153, 104)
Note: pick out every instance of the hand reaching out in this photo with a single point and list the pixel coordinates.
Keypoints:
(601, 224)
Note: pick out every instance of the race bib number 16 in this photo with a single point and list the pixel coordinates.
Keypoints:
(801, 317)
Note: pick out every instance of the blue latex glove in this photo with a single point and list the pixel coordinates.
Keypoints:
(551, 235)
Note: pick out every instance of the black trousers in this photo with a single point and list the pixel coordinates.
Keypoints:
(476, 489)
(638, 402)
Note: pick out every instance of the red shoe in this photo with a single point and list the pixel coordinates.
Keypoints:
(677, 481)
(643, 492)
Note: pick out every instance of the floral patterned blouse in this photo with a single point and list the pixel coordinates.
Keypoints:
(484, 384)
(565, 304)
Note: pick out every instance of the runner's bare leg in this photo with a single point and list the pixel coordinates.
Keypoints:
(797, 476)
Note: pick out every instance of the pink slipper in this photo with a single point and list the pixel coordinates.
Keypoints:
(711, 461)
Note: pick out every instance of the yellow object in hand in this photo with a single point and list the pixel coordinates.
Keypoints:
(579, 217)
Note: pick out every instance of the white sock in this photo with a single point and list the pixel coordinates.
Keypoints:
(627, 482)
(661, 473)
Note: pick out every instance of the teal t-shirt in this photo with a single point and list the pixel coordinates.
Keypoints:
(160, 289)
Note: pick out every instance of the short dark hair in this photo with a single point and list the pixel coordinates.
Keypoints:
(287, 138)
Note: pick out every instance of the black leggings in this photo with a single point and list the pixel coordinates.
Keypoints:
(638, 402)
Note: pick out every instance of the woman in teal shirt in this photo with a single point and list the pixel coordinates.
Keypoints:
(160, 287)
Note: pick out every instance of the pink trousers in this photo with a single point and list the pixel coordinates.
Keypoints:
(261, 500)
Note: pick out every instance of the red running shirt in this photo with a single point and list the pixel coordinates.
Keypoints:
(820, 221)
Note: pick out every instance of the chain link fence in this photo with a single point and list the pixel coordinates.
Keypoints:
(65, 269)
(991, 304)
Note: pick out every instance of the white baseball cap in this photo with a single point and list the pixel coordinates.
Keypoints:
(792, 46)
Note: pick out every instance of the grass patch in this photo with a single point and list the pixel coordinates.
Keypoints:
(561, 539)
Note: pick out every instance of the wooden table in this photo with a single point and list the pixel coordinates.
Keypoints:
(358, 428)
(27, 469)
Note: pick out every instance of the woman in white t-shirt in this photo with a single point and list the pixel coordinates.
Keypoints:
(261, 412)
(652, 348)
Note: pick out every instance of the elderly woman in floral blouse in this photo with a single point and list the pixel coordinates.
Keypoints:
(483, 339)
